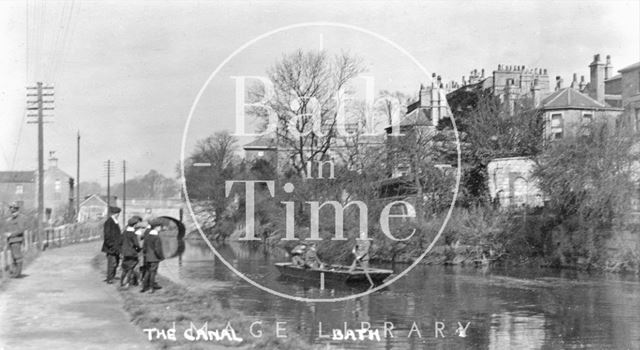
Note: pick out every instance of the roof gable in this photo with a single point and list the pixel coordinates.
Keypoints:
(94, 199)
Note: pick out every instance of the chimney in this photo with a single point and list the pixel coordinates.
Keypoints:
(423, 96)
(510, 96)
(558, 83)
(535, 93)
(574, 82)
(596, 85)
(608, 69)
(53, 161)
(583, 83)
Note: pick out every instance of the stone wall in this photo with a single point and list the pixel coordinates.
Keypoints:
(512, 184)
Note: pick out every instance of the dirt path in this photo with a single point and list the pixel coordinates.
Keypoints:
(63, 304)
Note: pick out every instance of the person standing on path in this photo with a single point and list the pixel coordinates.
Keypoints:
(15, 236)
(112, 243)
(130, 250)
(153, 255)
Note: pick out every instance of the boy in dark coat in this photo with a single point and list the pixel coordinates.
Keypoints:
(152, 250)
(112, 243)
(130, 249)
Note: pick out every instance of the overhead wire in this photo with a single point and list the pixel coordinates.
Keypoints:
(30, 28)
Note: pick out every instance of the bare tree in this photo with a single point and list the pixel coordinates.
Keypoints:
(305, 100)
(208, 183)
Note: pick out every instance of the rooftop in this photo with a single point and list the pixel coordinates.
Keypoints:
(570, 98)
(261, 143)
(630, 68)
(17, 176)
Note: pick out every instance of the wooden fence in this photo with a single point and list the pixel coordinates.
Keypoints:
(52, 237)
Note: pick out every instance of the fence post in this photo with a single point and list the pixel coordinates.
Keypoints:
(2, 263)
(5, 261)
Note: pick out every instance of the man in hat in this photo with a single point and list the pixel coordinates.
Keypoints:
(297, 254)
(15, 236)
(153, 255)
(311, 259)
(112, 243)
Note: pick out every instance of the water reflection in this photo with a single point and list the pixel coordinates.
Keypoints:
(516, 331)
(506, 308)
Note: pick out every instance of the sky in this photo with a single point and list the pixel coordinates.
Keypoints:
(126, 73)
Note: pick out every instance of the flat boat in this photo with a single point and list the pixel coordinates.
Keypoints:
(334, 273)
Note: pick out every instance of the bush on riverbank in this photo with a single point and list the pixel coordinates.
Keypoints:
(178, 306)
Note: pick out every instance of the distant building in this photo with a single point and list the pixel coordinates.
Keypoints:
(568, 113)
(421, 120)
(18, 186)
(263, 147)
(630, 96)
(92, 208)
(22, 187)
(505, 81)
(58, 191)
(511, 183)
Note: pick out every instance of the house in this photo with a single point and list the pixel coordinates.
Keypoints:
(568, 113)
(629, 89)
(263, 147)
(92, 208)
(58, 191)
(19, 187)
(417, 125)
(22, 187)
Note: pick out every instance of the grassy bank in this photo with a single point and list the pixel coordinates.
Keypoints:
(179, 306)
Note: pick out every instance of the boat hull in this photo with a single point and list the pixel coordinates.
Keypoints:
(334, 273)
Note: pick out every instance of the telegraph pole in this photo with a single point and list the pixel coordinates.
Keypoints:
(40, 106)
(108, 166)
(78, 179)
(124, 191)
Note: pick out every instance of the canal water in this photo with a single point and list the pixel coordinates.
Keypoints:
(500, 308)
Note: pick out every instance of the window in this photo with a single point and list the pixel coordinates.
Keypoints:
(19, 189)
(58, 190)
(556, 126)
(587, 118)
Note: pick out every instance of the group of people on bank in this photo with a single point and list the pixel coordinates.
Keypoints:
(124, 248)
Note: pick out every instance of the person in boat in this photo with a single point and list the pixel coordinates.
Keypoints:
(361, 252)
(311, 259)
(297, 255)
